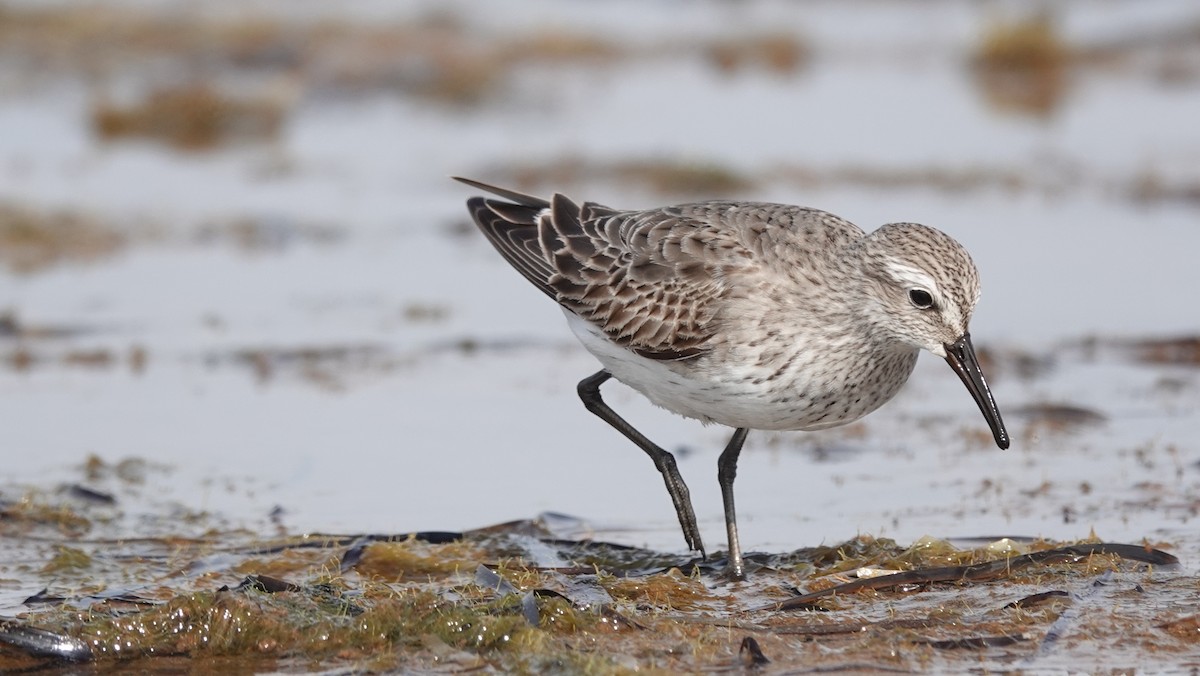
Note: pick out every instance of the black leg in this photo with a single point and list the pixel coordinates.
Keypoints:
(726, 473)
(589, 392)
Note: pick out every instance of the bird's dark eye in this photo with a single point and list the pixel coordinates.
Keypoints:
(920, 298)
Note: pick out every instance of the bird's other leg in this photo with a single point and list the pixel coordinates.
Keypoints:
(726, 473)
(589, 392)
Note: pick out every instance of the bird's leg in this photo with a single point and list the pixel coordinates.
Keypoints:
(726, 473)
(589, 392)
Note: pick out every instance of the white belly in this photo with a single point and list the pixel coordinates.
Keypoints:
(726, 393)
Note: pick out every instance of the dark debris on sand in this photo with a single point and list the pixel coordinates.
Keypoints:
(515, 597)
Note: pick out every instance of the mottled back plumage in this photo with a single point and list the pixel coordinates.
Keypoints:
(651, 280)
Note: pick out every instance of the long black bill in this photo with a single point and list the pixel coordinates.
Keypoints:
(960, 355)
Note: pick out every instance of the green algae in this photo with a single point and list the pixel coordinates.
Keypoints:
(68, 559)
(229, 601)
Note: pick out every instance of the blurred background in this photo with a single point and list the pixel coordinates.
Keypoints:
(236, 280)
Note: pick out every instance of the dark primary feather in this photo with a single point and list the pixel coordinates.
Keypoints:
(519, 198)
(644, 277)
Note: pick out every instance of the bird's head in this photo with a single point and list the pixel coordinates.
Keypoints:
(921, 290)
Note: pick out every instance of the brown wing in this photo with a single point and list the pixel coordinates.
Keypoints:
(511, 227)
(649, 279)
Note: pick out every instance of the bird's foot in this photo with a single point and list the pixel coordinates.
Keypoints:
(735, 568)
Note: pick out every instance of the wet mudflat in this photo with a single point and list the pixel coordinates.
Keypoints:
(249, 341)
(515, 596)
